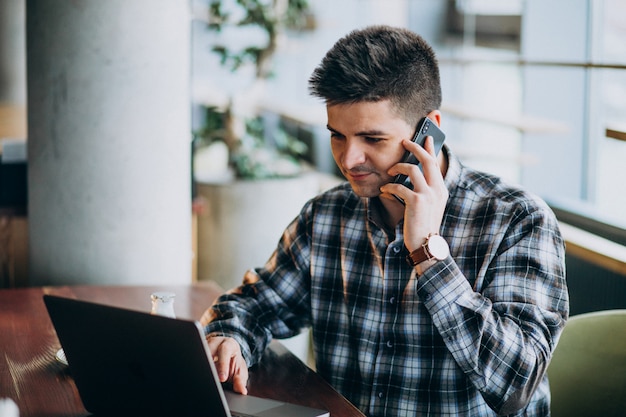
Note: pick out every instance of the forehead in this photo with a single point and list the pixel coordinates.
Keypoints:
(362, 114)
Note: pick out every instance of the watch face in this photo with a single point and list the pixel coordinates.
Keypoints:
(438, 247)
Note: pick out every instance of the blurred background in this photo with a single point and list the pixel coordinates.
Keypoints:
(152, 141)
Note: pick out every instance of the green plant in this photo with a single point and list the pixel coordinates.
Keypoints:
(250, 155)
(271, 16)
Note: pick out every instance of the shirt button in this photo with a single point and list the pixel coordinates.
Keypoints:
(392, 300)
(389, 344)
(381, 394)
(396, 249)
(428, 296)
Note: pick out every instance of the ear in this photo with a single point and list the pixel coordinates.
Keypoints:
(435, 116)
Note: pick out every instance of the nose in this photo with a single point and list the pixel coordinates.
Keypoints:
(353, 154)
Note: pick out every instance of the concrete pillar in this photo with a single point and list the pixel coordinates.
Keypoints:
(109, 141)
(12, 52)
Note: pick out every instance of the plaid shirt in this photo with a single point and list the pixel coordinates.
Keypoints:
(472, 336)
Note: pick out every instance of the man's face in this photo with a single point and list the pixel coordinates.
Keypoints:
(366, 141)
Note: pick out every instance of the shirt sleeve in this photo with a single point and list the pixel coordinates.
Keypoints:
(272, 302)
(502, 329)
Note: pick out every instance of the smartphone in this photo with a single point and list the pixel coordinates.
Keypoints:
(425, 128)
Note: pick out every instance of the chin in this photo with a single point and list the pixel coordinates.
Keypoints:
(367, 192)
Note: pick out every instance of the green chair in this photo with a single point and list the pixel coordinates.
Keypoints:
(588, 370)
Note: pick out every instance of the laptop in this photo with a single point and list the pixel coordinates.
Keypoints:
(127, 362)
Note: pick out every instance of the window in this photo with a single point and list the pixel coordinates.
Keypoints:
(544, 108)
(533, 90)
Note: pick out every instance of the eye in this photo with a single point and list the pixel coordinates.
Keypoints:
(372, 139)
(336, 136)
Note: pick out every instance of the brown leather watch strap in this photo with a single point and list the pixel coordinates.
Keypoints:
(418, 256)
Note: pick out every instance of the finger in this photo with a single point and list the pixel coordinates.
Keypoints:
(392, 190)
(429, 145)
(431, 172)
(414, 172)
(417, 149)
(240, 377)
(224, 355)
(432, 166)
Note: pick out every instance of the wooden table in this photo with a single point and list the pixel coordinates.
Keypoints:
(30, 375)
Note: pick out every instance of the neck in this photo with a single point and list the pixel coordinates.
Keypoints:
(393, 211)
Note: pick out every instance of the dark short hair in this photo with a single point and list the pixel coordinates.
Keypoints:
(380, 63)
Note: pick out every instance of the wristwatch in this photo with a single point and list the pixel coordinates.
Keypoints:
(435, 248)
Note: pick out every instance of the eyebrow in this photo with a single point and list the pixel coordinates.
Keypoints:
(373, 132)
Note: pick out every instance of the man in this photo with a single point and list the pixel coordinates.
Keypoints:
(464, 333)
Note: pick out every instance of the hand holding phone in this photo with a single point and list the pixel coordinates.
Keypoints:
(425, 128)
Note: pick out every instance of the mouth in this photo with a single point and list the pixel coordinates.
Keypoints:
(358, 176)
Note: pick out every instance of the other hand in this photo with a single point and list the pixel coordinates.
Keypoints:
(230, 364)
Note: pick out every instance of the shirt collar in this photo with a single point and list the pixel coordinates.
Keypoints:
(455, 168)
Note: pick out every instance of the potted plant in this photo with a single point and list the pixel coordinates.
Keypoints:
(235, 128)
(219, 155)
(255, 183)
